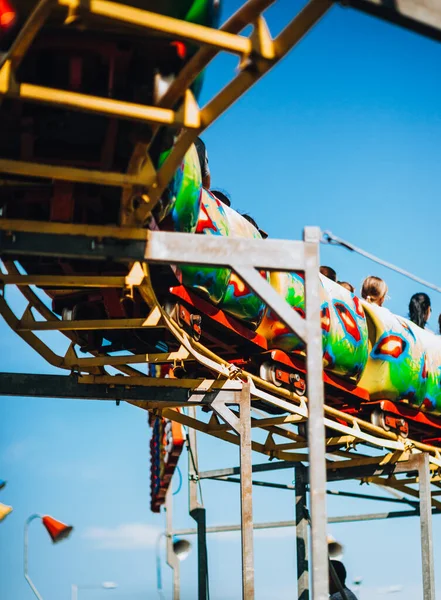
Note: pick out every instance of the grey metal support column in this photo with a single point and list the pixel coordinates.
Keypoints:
(316, 428)
(301, 534)
(246, 494)
(172, 559)
(426, 528)
(197, 510)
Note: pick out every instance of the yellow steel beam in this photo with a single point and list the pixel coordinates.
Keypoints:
(285, 420)
(340, 441)
(61, 281)
(168, 26)
(187, 116)
(94, 231)
(387, 459)
(246, 78)
(435, 479)
(104, 106)
(30, 169)
(229, 437)
(401, 487)
(202, 385)
(38, 345)
(86, 325)
(38, 305)
(245, 15)
(132, 359)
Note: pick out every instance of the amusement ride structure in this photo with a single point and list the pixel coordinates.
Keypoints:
(172, 301)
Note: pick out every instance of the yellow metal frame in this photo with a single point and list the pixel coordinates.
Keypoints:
(282, 441)
(258, 52)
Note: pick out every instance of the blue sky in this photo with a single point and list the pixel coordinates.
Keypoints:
(343, 134)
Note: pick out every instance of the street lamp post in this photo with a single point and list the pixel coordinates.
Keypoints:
(56, 529)
(177, 550)
(106, 585)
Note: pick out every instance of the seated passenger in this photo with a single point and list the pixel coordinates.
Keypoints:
(203, 160)
(222, 196)
(347, 286)
(374, 290)
(329, 273)
(250, 219)
(420, 309)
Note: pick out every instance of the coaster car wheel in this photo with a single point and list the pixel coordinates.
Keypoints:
(298, 383)
(268, 373)
(378, 418)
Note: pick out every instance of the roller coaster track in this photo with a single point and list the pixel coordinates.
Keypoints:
(349, 441)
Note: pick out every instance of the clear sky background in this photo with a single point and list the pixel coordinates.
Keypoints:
(344, 134)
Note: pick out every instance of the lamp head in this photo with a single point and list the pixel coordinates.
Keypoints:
(56, 529)
(335, 549)
(181, 548)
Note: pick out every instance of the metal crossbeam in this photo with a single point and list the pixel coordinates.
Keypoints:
(102, 242)
(64, 173)
(398, 514)
(344, 472)
(70, 387)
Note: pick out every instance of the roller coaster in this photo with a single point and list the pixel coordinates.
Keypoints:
(101, 192)
(377, 366)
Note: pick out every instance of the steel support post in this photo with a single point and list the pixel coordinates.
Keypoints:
(197, 510)
(246, 494)
(316, 427)
(172, 559)
(426, 528)
(25, 555)
(301, 534)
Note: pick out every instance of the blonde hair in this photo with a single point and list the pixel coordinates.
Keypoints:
(374, 290)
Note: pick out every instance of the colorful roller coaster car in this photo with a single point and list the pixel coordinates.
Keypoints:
(376, 365)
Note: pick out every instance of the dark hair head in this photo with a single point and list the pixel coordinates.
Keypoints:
(418, 309)
(439, 323)
(250, 219)
(329, 273)
(348, 286)
(223, 196)
(340, 570)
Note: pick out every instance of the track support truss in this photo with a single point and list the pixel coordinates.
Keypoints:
(229, 397)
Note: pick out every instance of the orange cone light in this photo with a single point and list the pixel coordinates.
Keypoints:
(56, 529)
